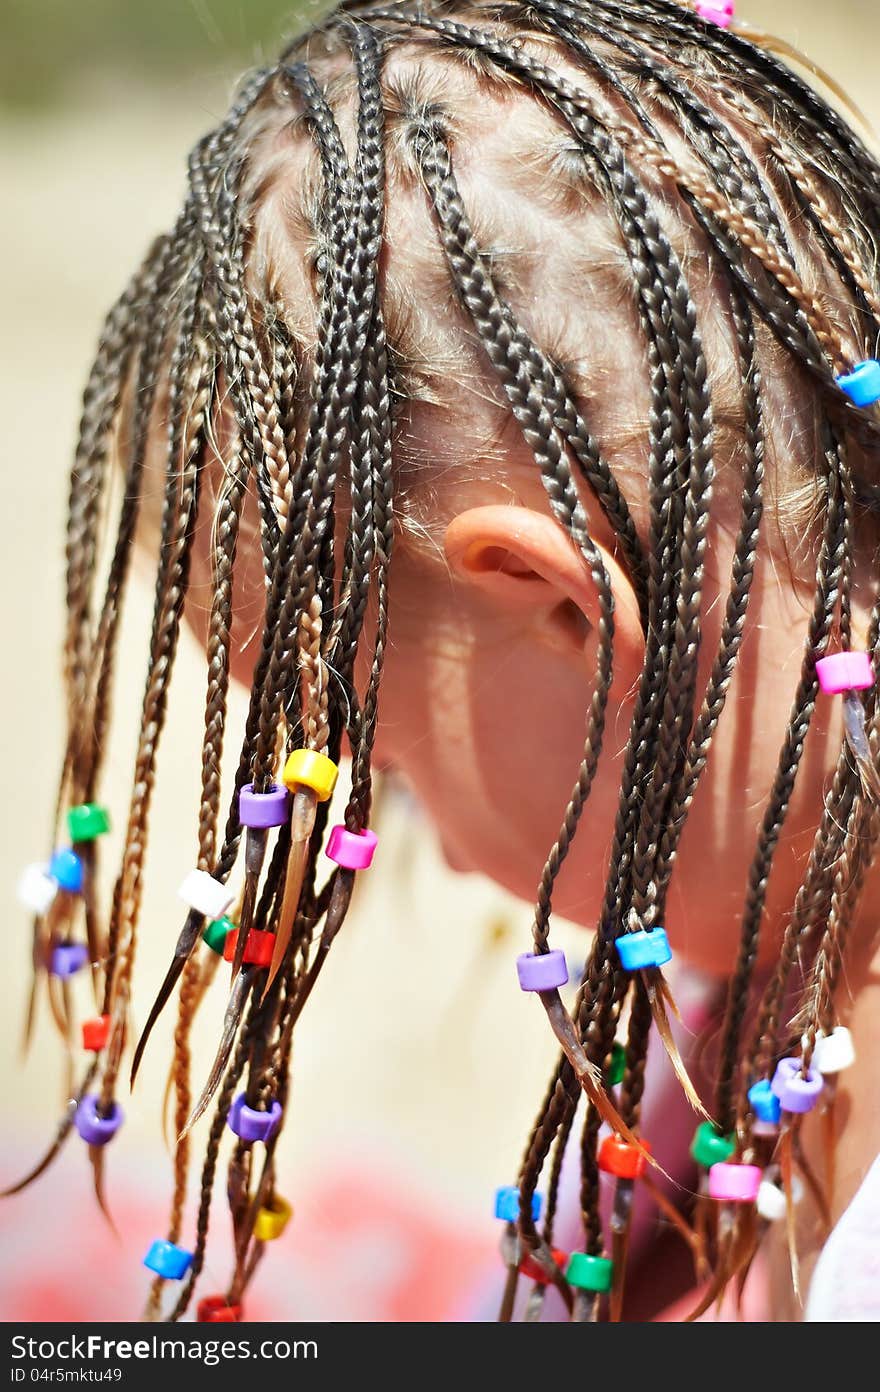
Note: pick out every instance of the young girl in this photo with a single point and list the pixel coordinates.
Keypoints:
(507, 384)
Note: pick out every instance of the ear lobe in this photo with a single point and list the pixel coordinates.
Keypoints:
(524, 562)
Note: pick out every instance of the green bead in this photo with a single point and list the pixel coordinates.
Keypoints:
(589, 1273)
(616, 1066)
(87, 821)
(709, 1147)
(215, 933)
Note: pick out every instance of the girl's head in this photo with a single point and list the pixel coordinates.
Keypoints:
(494, 380)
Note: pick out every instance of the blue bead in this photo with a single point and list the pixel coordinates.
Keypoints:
(643, 949)
(862, 385)
(765, 1104)
(66, 869)
(168, 1261)
(507, 1205)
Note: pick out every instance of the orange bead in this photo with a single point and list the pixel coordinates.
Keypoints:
(95, 1033)
(531, 1267)
(619, 1158)
(257, 949)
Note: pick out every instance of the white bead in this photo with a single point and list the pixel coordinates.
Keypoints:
(765, 1128)
(834, 1051)
(37, 889)
(770, 1202)
(205, 894)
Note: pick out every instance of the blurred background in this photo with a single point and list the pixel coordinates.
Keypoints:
(412, 1099)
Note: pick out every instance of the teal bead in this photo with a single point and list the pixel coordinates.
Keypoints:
(215, 933)
(709, 1147)
(589, 1273)
(88, 821)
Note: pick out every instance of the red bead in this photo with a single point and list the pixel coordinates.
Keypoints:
(214, 1310)
(257, 950)
(95, 1033)
(531, 1267)
(622, 1159)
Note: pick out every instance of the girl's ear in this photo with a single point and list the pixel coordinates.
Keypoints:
(525, 564)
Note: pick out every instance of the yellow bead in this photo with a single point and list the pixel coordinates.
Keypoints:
(307, 768)
(271, 1222)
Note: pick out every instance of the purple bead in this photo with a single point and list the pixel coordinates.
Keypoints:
(94, 1128)
(262, 810)
(67, 959)
(541, 972)
(250, 1125)
(796, 1093)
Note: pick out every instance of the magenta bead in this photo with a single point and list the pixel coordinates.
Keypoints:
(67, 959)
(94, 1128)
(718, 12)
(796, 1093)
(262, 810)
(352, 850)
(541, 971)
(732, 1183)
(845, 671)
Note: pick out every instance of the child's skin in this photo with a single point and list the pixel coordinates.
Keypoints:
(494, 613)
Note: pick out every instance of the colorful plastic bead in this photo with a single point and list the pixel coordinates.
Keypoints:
(37, 889)
(507, 1205)
(214, 1309)
(862, 385)
(258, 947)
(67, 959)
(542, 971)
(249, 1124)
(589, 1273)
(709, 1147)
(643, 949)
(168, 1260)
(619, 1158)
(352, 850)
(845, 671)
(834, 1052)
(531, 1267)
(88, 821)
(263, 810)
(95, 1033)
(796, 1092)
(733, 1183)
(718, 12)
(216, 933)
(93, 1127)
(205, 894)
(306, 768)
(66, 869)
(764, 1102)
(272, 1219)
(616, 1066)
(771, 1204)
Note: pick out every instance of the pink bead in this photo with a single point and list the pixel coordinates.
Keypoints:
(352, 850)
(845, 671)
(718, 12)
(734, 1183)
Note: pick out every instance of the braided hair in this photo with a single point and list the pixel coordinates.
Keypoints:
(302, 404)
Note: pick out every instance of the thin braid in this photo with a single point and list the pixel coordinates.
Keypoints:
(494, 326)
(818, 633)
